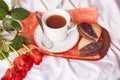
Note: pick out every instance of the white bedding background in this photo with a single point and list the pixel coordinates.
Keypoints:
(54, 68)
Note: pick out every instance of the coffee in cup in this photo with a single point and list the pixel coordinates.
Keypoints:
(55, 23)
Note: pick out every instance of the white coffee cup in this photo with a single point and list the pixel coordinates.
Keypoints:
(56, 34)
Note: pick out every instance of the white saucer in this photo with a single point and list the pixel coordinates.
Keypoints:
(62, 46)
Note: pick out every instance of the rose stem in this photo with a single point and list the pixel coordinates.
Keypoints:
(14, 51)
(27, 48)
(9, 62)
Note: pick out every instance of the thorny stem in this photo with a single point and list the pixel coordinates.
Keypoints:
(9, 62)
(12, 34)
(28, 49)
(14, 50)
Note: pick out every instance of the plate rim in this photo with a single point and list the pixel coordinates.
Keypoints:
(49, 50)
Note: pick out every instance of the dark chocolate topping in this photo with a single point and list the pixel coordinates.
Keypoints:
(87, 31)
(91, 48)
(100, 47)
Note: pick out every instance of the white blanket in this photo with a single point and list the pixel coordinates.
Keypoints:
(54, 68)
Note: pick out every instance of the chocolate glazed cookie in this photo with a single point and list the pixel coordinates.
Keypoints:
(91, 49)
(95, 46)
(100, 47)
(86, 30)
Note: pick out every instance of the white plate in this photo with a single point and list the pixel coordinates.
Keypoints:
(62, 46)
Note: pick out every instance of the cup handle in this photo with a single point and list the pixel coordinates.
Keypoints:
(72, 26)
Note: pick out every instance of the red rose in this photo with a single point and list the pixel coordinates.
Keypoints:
(24, 62)
(36, 56)
(21, 65)
(8, 75)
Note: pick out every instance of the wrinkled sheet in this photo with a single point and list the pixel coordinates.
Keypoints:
(54, 68)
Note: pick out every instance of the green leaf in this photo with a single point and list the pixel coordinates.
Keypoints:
(1, 44)
(17, 42)
(11, 25)
(6, 47)
(4, 5)
(5, 53)
(25, 40)
(2, 13)
(19, 13)
(14, 2)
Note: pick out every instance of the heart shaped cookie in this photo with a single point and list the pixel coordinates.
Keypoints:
(89, 44)
(85, 41)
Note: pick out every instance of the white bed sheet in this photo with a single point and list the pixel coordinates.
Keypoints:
(54, 68)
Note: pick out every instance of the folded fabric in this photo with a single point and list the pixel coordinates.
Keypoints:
(77, 15)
